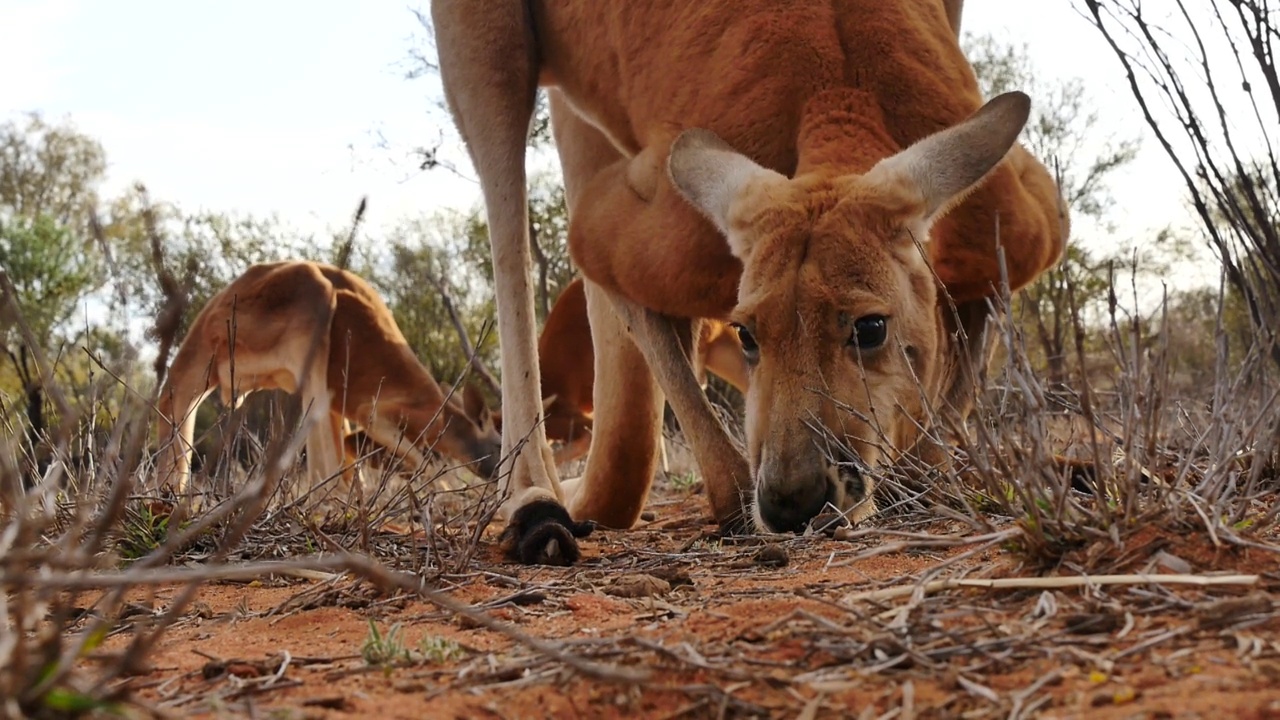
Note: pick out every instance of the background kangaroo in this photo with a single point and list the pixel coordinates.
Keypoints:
(314, 328)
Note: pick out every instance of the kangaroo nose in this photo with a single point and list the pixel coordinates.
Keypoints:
(490, 457)
(788, 504)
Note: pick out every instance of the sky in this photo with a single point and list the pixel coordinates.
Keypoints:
(300, 108)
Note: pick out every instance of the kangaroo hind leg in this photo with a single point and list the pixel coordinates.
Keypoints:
(489, 69)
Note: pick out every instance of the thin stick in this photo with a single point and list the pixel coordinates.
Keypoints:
(1050, 582)
(464, 339)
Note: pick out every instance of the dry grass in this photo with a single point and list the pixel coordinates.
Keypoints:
(1077, 466)
(86, 535)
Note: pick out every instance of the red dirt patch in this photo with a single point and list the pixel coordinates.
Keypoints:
(724, 635)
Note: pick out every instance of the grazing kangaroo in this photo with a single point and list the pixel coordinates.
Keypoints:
(822, 174)
(322, 330)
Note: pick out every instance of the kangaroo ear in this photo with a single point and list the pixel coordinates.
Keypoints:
(474, 405)
(943, 167)
(712, 176)
(548, 401)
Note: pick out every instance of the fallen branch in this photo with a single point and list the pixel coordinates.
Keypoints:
(1048, 583)
(323, 569)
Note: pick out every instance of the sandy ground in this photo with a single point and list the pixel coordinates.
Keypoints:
(741, 630)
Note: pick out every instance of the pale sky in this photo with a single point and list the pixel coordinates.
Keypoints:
(274, 106)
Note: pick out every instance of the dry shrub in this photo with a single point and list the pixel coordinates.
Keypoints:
(1091, 461)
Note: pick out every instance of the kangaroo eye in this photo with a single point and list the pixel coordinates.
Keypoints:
(749, 347)
(869, 332)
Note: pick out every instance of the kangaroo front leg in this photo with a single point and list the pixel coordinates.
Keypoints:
(626, 427)
(489, 69)
(324, 455)
(723, 465)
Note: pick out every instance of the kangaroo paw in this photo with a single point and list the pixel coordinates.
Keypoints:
(542, 533)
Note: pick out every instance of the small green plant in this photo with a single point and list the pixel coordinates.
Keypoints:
(379, 649)
(996, 502)
(684, 482)
(438, 650)
(388, 649)
(67, 702)
(63, 700)
(706, 545)
(144, 531)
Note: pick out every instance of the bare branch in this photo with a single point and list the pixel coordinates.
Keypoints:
(463, 337)
(539, 257)
(1190, 104)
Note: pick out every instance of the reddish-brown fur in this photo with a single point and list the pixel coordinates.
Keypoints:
(802, 100)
